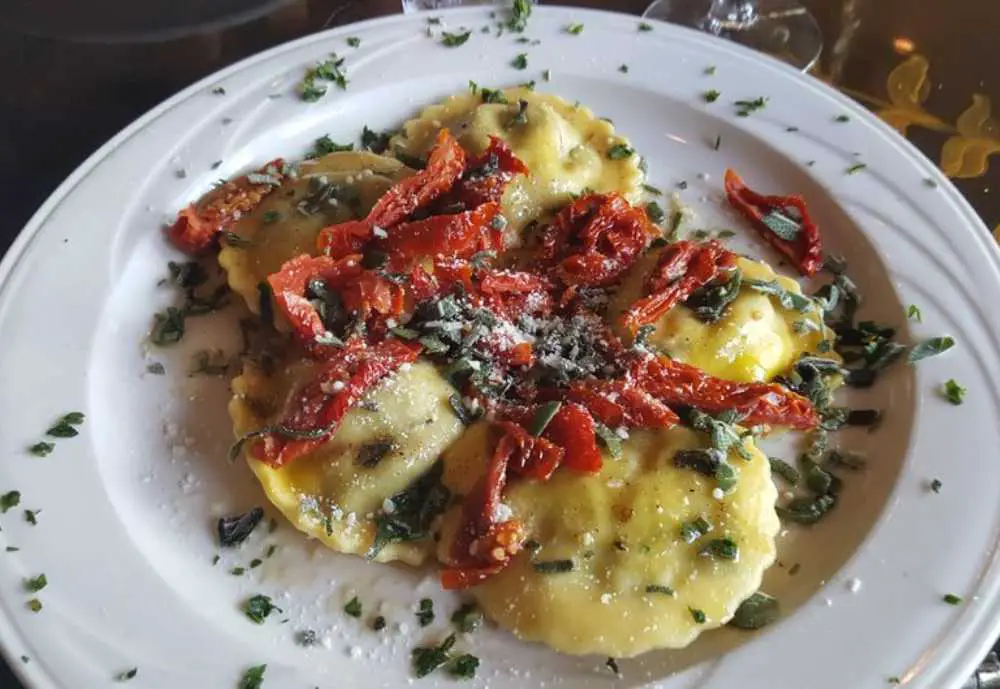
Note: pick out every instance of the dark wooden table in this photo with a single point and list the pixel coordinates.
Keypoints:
(77, 72)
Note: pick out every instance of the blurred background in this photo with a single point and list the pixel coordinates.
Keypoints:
(77, 71)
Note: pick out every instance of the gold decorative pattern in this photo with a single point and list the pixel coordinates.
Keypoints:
(908, 88)
(966, 154)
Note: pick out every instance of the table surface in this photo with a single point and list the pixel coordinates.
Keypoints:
(76, 76)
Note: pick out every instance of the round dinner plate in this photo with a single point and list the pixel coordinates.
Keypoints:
(124, 513)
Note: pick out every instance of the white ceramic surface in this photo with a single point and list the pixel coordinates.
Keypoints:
(126, 534)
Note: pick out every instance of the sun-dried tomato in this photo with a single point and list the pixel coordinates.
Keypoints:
(682, 268)
(497, 546)
(513, 294)
(444, 167)
(620, 403)
(458, 235)
(486, 177)
(674, 383)
(802, 243)
(572, 429)
(320, 406)
(196, 226)
(595, 240)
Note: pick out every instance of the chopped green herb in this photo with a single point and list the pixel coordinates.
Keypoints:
(721, 549)
(554, 566)
(467, 618)
(710, 96)
(218, 91)
(520, 62)
(745, 107)
(324, 145)
(928, 182)
(951, 599)
(787, 298)
(936, 485)
(576, 28)
(156, 369)
(168, 326)
(806, 510)
(253, 677)
(34, 605)
(655, 213)
(893, 680)
(841, 118)
(255, 563)
(913, 313)
(929, 348)
(610, 440)
(953, 392)
(717, 143)
(36, 584)
(64, 428)
(414, 509)
(353, 41)
(425, 613)
(238, 571)
(643, 26)
(433, 20)
(623, 68)
(31, 516)
(620, 152)
(660, 589)
(791, 129)
(857, 167)
(543, 416)
(519, 13)
(127, 675)
(258, 607)
(42, 449)
(234, 530)
(12, 549)
(492, 96)
(427, 659)
(783, 226)
(547, 75)
(759, 610)
(649, 188)
(710, 71)
(697, 615)
(312, 90)
(612, 665)
(378, 624)
(453, 40)
(726, 477)
(464, 666)
(785, 470)
(9, 499)
(696, 528)
(271, 549)
(353, 607)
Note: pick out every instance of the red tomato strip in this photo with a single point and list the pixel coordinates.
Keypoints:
(594, 240)
(196, 226)
(444, 166)
(683, 267)
(674, 383)
(460, 235)
(572, 429)
(322, 404)
(486, 176)
(617, 403)
(806, 249)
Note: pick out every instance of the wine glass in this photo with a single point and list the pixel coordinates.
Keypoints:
(782, 28)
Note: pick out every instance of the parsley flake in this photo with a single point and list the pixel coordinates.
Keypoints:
(36, 584)
(353, 41)
(42, 449)
(953, 392)
(34, 605)
(127, 675)
(854, 169)
(257, 608)
(841, 118)
(745, 107)
(353, 607)
(951, 599)
(520, 61)
(464, 666)
(929, 348)
(620, 152)
(453, 40)
(425, 613)
(697, 615)
(31, 516)
(576, 28)
(936, 485)
(710, 96)
(913, 313)
(9, 499)
(253, 677)
(643, 26)
(64, 427)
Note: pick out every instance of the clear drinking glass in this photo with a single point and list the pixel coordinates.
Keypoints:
(782, 28)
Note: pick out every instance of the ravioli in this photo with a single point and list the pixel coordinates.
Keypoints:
(332, 189)
(383, 445)
(566, 147)
(636, 584)
(755, 340)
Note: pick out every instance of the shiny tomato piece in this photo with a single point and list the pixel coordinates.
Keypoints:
(572, 428)
(459, 235)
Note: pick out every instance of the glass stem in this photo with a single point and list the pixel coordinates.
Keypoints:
(730, 15)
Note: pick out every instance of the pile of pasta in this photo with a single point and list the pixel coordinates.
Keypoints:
(490, 356)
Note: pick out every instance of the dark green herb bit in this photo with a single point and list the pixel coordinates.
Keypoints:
(697, 615)
(780, 224)
(643, 26)
(655, 213)
(353, 41)
(464, 666)
(415, 509)
(928, 182)
(34, 605)
(378, 624)
(492, 96)
(218, 91)
(610, 440)
(258, 607)
(353, 607)
(913, 313)
(696, 528)
(543, 416)
(841, 118)
(253, 677)
(236, 241)
(951, 599)
(705, 461)
(453, 40)
(929, 348)
(791, 129)
(759, 610)
(660, 589)
(710, 71)
(433, 20)
(554, 566)
(721, 549)
(520, 62)
(371, 454)
(652, 190)
(807, 510)
(324, 145)
(306, 637)
(168, 326)
(255, 563)
(519, 13)
(12, 549)
(953, 392)
(623, 68)
(127, 675)
(42, 449)
(612, 665)
(427, 659)
(156, 369)
(236, 529)
(576, 28)
(893, 680)
(31, 516)
(36, 584)
(547, 75)
(64, 427)
(467, 618)
(717, 143)
(854, 169)
(936, 485)
(620, 152)
(425, 613)
(785, 470)
(710, 96)
(9, 499)
(745, 107)
(238, 571)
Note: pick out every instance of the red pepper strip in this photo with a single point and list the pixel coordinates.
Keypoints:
(318, 406)
(444, 167)
(674, 383)
(605, 235)
(617, 403)
(197, 225)
(682, 268)
(486, 176)
(460, 235)
(289, 286)
(572, 429)
(806, 249)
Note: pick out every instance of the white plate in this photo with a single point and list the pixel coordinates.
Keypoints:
(126, 533)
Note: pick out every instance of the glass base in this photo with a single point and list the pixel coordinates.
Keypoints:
(786, 31)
